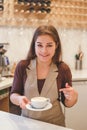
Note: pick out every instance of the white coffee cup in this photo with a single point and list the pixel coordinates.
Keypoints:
(39, 102)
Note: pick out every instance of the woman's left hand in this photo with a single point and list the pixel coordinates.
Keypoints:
(70, 95)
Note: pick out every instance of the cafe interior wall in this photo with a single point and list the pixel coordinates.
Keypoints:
(19, 40)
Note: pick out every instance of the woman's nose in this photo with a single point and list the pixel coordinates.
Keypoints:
(44, 49)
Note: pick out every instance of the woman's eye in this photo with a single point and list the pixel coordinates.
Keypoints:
(49, 46)
(39, 45)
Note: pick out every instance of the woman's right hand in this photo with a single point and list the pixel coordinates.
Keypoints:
(23, 101)
(19, 100)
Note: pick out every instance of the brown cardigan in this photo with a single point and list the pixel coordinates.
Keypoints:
(20, 78)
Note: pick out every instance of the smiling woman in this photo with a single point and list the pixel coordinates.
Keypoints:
(44, 74)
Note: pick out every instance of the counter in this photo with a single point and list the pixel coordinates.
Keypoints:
(6, 83)
(79, 75)
(10, 121)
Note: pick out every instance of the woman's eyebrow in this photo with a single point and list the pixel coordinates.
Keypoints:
(46, 43)
(50, 43)
(38, 42)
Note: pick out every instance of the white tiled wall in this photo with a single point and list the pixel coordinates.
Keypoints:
(19, 41)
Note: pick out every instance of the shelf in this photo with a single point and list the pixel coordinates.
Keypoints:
(62, 13)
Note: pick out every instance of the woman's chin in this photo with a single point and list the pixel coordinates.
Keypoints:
(44, 60)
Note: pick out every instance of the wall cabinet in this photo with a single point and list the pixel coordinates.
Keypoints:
(76, 117)
(4, 93)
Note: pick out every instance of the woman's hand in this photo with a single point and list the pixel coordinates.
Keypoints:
(19, 100)
(70, 94)
(23, 101)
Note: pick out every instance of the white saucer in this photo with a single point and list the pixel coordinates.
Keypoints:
(29, 107)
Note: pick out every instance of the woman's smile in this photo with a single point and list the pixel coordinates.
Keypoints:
(44, 55)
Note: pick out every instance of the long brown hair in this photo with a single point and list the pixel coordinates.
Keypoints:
(46, 30)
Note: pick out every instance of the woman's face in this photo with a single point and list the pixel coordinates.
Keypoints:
(45, 48)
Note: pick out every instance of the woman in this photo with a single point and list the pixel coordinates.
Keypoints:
(43, 73)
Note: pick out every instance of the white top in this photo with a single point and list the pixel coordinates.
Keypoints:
(10, 121)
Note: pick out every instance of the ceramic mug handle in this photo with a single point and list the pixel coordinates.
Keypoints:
(48, 99)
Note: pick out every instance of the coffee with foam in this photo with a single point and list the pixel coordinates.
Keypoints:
(39, 102)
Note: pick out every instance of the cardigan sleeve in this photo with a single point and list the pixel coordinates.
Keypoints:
(64, 77)
(19, 77)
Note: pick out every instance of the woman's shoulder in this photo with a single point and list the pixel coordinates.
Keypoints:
(23, 63)
(63, 66)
